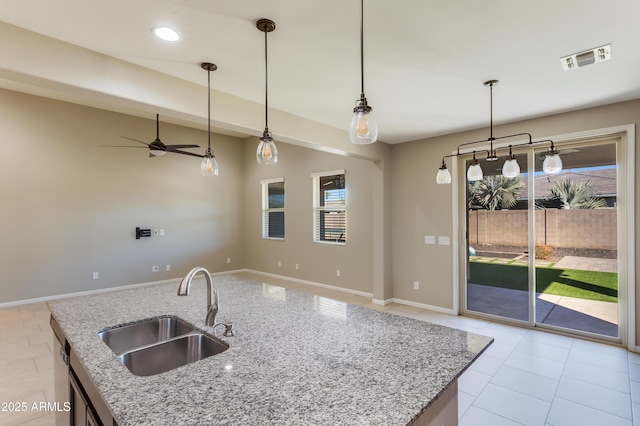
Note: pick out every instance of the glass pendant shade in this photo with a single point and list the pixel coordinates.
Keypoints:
(511, 168)
(363, 129)
(209, 165)
(552, 163)
(443, 177)
(157, 152)
(267, 153)
(474, 172)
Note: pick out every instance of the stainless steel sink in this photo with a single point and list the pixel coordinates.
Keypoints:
(160, 344)
(144, 333)
(172, 354)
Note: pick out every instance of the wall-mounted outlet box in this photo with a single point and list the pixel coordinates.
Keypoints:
(337, 272)
(228, 260)
(167, 268)
(429, 239)
(96, 275)
(297, 267)
(279, 264)
(416, 285)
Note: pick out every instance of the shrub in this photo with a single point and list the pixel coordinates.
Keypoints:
(543, 252)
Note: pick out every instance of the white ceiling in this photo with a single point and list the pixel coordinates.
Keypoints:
(425, 60)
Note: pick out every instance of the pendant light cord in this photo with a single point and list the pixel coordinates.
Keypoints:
(491, 110)
(266, 86)
(209, 110)
(362, 48)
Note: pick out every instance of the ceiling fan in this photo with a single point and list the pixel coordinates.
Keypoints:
(157, 148)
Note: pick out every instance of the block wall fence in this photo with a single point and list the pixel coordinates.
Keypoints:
(589, 228)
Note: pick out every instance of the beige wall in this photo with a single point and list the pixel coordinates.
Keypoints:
(317, 262)
(70, 208)
(421, 207)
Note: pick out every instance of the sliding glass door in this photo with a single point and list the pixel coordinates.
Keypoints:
(542, 248)
(497, 252)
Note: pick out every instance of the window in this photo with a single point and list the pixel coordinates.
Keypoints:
(329, 207)
(273, 208)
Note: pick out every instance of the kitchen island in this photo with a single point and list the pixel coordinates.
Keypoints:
(296, 359)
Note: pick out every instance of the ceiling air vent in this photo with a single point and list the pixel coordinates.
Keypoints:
(588, 57)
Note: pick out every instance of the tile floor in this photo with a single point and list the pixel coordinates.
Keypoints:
(526, 377)
(26, 364)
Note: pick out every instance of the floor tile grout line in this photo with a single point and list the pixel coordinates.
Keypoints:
(527, 395)
(595, 409)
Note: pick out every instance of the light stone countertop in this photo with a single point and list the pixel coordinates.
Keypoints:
(297, 359)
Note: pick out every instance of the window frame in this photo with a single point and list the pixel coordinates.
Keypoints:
(266, 210)
(317, 208)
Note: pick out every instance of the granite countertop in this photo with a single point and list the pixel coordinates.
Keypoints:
(297, 359)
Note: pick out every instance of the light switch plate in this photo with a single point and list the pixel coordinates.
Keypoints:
(429, 239)
(444, 241)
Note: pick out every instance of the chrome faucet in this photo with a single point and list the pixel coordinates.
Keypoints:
(185, 288)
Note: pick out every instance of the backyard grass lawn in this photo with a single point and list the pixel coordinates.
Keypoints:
(592, 285)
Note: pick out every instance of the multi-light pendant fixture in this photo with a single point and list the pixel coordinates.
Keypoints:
(363, 129)
(209, 165)
(552, 162)
(267, 153)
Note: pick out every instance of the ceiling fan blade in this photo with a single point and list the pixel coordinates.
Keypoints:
(122, 146)
(177, 151)
(136, 140)
(172, 147)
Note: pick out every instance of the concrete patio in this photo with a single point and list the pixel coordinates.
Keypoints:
(562, 311)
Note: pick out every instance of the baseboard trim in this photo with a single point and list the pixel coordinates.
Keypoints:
(382, 302)
(311, 283)
(103, 290)
(425, 306)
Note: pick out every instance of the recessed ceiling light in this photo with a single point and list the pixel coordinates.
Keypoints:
(588, 57)
(166, 33)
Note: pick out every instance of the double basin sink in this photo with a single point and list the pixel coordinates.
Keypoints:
(159, 344)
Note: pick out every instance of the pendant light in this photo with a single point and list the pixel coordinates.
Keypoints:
(552, 163)
(511, 168)
(267, 153)
(363, 129)
(443, 177)
(209, 165)
(474, 172)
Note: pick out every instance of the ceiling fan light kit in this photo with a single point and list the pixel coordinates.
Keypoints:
(157, 148)
(510, 169)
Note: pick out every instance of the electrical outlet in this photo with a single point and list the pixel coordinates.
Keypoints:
(162, 232)
(337, 272)
(279, 264)
(154, 268)
(416, 285)
(297, 267)
(95, 275)
(228, 260)
(167, 268)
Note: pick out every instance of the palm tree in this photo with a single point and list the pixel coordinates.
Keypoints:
(575, 194)
(495, 192)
